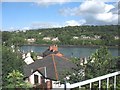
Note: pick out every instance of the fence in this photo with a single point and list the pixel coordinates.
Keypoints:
(99, 79)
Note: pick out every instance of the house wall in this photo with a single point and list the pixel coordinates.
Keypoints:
(55, 84)
(31, 78)
(28, 60)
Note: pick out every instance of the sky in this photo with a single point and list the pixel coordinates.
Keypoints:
(57, 13)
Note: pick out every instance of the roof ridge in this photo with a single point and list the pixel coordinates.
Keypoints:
(62, 57)
(54, 63)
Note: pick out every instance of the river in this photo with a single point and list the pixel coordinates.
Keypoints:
(68, 51)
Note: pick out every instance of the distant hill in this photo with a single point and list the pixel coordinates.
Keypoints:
(71, 35)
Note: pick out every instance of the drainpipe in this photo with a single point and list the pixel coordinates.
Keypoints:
(45, 73)
(65, 86)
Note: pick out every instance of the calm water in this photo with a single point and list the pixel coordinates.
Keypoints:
(69, 51)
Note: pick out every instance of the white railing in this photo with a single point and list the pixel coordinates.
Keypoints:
(90, 81)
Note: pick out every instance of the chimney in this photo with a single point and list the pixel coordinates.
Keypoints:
(53, 48)
(50, 48)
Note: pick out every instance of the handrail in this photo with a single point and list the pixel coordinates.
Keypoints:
(93, 80)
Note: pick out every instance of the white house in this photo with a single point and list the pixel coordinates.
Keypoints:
(97, 37)
(36, 78)
(47, 72)
(31, 40)
(55, 39)
(28, 59)
(85, 37)
(40, 33)
(116, 37)
(75, 37)
(47, 38)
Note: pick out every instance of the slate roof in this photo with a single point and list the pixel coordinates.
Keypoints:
(48, 52)
(55, 67)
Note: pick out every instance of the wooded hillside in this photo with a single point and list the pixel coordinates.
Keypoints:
(76, 35)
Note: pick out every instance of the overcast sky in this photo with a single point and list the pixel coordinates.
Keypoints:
(58, 13)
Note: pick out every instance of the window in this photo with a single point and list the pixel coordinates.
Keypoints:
(35, 79)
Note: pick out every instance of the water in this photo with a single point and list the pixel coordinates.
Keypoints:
(69, 51)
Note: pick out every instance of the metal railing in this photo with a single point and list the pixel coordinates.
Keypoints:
(99, 79)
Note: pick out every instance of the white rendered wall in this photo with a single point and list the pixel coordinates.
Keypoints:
(31, 78)
(28, 60)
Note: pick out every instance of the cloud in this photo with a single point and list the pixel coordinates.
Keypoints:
(56, 0)
(74, 23)
(36, 25)
(116, 9)
(26, 28)
(94, 12)
(11, 28)
(50, 2)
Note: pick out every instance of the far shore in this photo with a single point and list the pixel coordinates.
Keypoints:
(72, 46)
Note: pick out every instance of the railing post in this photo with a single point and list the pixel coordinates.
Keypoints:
(99, 84)
(107, 83)
(79, 87)
(115, 82)
(90, 86)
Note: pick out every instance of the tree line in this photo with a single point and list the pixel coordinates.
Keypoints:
(65, 35)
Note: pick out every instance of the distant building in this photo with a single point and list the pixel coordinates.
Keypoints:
(40, 33)
(97, 37)
(55, 39)
(85, 37)
(47, 38)
(75, 37)
(24, 31)
(116, 37)
(31, 40)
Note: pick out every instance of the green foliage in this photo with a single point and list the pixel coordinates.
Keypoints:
(116, 62)
(100, 63)
(15, 80)
(65, 35)
(18, 40)
(33, 55)
(10, 61)
(76, 75)
(6, 36)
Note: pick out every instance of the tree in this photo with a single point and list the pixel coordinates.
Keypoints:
(15, 80)
(118, 63)
(10, 61)
(18, 40)
(6, 36)
(76, 74)
(107, 39)
(99, 63)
